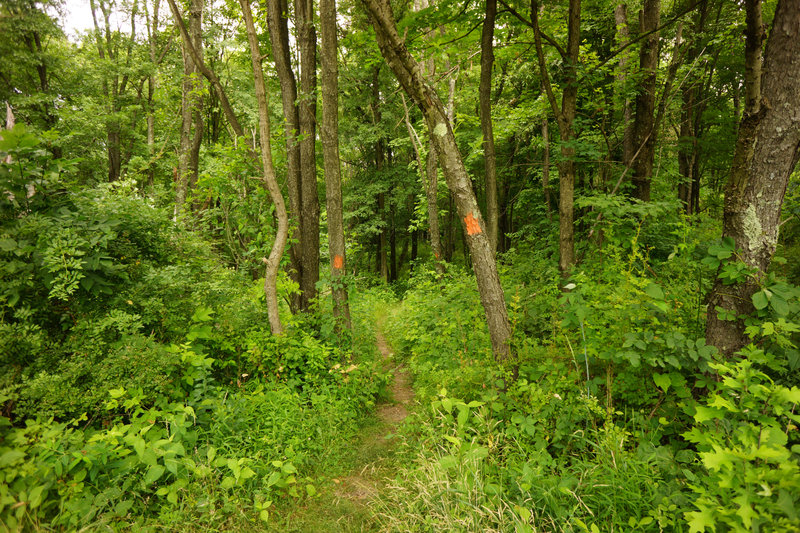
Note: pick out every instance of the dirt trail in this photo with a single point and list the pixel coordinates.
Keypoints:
(360, 487)
(344, 505)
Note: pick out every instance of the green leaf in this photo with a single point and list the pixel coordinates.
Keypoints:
(760, 300)
(35, 496)
(662, 381)
(138, 446)
(149, 457)
(700, 520)
(122, 508)
(153, 474)
(705, 414)
(228, 482)
(273, 478)
(202, 314)
(654, 291)
(7, 244)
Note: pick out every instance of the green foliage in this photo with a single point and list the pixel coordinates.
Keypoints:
(747, 441)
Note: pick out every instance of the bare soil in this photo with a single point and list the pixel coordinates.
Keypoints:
(343, 506)
(362, 486)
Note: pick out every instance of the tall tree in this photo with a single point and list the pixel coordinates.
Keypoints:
(381, 239)
(209, 74)
(278, 22)
(644, 120)
(766, 153)
(330, 153)
(623, 39)
(485, 96)
(114, 84)
(151, 22)
(409, 74)
(273, 262)
(565, 117)
(191, 102)
(307, 105)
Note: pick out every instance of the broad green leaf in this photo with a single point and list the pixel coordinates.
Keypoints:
(700, 520)
(654, 291)
(760, 300)
(153, 474)
(202, 314)
(707, 413)
(122, 508)
(662, 381)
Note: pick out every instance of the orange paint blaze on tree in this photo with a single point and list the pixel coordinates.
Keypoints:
(473, 226)
(338, 261)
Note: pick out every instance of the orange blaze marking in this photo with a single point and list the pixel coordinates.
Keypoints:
(473, 226)
(338, 261)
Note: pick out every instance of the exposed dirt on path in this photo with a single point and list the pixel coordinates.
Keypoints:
(344, 505)
(362, 486)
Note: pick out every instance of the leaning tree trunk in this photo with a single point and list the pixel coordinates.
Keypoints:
(277, 20)
(485, 96)
(330, 153)
(273, 263)
(409, 74)
(766, 153)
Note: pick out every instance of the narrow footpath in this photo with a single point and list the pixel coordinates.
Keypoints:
(343, 504)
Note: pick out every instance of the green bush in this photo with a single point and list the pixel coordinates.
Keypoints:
(749, 448)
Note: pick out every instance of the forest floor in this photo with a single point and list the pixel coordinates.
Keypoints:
(344, 498)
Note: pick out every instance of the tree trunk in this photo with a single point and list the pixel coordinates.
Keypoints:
(152, 34)
(766, 153)
(330, 153)
(485, 96)
(307, 105)
(432, 194)
(565, 116)
(274, 261)
(191, 100)
(277, 20)
(546, 167)
(643, 133)
(209, 74)
(623, 36)
(409, 74)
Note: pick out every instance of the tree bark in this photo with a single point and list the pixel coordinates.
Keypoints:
(485, 96)
(191, 119)
(330, 153)
(643, 133)
(209, 74)
(274, 261)
(432, 195)
(307, 106)
(409, 74)
(691, 114)
(623, 36)
(565, 117)
(277, 20)
(546, 167)
(766, 153)
(152, 34)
